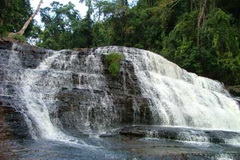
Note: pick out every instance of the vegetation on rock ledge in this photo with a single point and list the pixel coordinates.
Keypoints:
(113, 61)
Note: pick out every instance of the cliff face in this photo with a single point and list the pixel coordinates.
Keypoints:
(112, 102)
(61, 93)
(13, 123)
(84, 94)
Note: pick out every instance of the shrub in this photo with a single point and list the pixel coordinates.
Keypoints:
(113, 60)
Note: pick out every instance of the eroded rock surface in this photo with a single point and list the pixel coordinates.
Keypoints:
(84, 96)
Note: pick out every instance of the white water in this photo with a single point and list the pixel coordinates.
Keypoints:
(180, 98)
(40, 86)
(38, 101)
(176, 97)
(223, 157)
(184, 99)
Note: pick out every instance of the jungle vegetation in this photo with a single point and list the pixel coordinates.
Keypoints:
(202, 36)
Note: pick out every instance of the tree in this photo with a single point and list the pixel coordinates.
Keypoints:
(26, 24)
(205, 41)
(12, 14)
(201, 36)
(64, 28)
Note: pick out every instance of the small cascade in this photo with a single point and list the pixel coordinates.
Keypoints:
(37, 98)
(37, 101)
(193, 136)
(43, 89)
(90, 108)
(136, 112)
(224, 157)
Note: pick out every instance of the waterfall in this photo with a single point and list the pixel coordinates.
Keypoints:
(180, 98)
(69, 90)
(38, 98)
(36, 102)
(39, 88)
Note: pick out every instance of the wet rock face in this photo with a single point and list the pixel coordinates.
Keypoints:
(87, 97)
(12, 124)
(83, 109)
(29, 56)
(127, 97)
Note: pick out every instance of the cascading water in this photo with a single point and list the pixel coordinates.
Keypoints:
(70, 91)
(37, 101)
(179, 98)
(37, 98)
(184, 99)
(40, 87)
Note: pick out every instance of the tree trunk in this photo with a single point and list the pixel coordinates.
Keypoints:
(201, 17)
(1, 21)
(26, 24)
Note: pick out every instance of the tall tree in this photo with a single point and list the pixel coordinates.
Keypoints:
(64, 28)
(12, 14)
(26, 24)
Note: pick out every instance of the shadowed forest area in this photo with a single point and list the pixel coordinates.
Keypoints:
(202, 36)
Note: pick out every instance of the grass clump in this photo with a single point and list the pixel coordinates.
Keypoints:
(113, 59)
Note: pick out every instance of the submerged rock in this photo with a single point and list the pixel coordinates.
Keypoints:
(177, 133)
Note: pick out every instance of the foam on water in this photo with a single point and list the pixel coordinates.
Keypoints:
(224, 157)
(233, 141)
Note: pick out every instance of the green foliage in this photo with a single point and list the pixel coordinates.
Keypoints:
(223, 40)
(113, 61)
(180, 45)
(100, 32)
(201, 37)
(114, 69)
(64, 28)
(20, 38)
(13, 14)
(211, 50)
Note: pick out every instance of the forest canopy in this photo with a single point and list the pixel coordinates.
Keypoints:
(202, 36)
